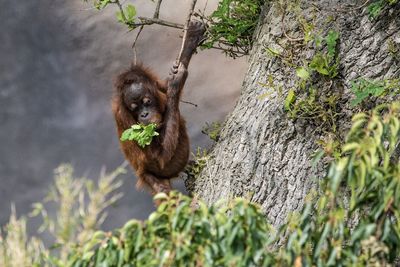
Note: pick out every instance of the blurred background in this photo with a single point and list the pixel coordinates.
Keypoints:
(57, 63)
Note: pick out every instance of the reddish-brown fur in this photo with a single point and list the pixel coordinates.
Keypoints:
(168, 153)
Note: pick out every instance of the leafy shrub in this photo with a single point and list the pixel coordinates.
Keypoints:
(183, 232)
(79, 211)
(362, 230)
(16, 248)
(353, 220)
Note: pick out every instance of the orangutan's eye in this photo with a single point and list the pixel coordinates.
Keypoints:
(146, 102)
(133, 106)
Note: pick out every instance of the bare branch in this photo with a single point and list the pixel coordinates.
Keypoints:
(118, 3)
(134, 44)
(193, 4)
(150, 21)
(190, 103)
(157, 11)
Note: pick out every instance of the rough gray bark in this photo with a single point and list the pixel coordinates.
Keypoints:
(261, 153)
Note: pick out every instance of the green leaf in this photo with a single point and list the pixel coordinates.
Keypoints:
(290, 98)
(302, 73)
(130, 13)
(142, 134)
(375, 9)
(363, 89)
(119, 16)
(319, 63)
(331, 41)
(125, 135)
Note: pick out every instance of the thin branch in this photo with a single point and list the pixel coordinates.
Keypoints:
(134, 45)
(137, 36)
(190, 103)
(150, 21)
(192, 5)
(118, 3)
(229, 50)
(144, 21)
(157, 11)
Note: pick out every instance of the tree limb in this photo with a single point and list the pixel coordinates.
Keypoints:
(150, 21)
(193, 4)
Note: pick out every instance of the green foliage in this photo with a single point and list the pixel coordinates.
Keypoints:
(142, 134)
(312, 105)
(364, 89)
(302, 73)
(376, 7)
(318, 109)
(126, 14)
(393, 48)
(16, 248)
(212, 130)
(78, 205)
(307, 102)
(194, 168)
(289, 100)
(310, 100)
(100, 4)
(331, 231)
(183, 232)
(353, 220)
(231, 26)
(326, 63)
(331, 147)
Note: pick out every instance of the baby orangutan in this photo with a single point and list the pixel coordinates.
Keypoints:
(141, 98)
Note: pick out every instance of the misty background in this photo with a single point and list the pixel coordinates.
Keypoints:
(57, 63)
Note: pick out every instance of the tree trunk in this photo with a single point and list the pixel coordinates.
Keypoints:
(263, 154)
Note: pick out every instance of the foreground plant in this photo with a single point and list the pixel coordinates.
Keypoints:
(183, 232)
(79, 211)
(352, 221)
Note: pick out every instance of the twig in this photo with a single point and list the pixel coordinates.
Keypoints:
(190, 103)
(284, 30)
(157, 11)
(134, 44)
(150, 21)
(205, 7)
(359, 7)
(118, 3)
(228, 50)
(193, 4)
(147, 21)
